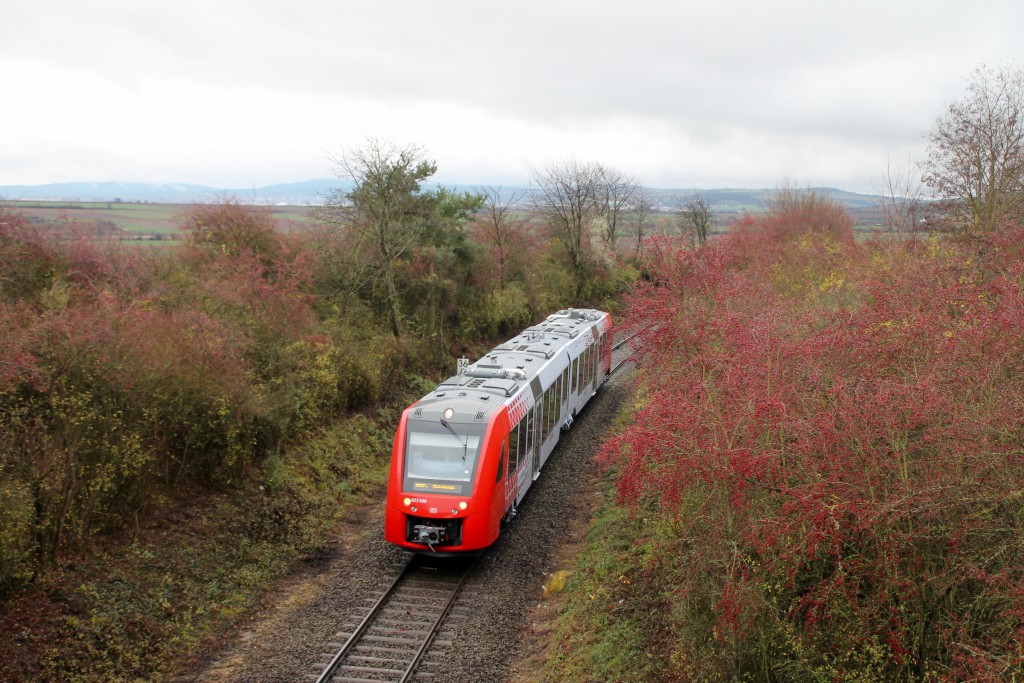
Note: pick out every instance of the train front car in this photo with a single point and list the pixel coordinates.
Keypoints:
(441, 489)
(466, 453)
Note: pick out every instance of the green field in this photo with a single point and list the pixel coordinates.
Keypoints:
(125, 220)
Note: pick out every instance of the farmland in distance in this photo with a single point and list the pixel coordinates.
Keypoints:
(126, 221)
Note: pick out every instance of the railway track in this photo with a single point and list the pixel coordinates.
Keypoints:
(396, 631)
(391, 640)
(618, 345)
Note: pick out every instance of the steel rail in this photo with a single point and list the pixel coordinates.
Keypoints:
(620, 344)
(429, 638)
(408, 573)
(365, 623)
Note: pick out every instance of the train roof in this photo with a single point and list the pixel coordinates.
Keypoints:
(503, 371)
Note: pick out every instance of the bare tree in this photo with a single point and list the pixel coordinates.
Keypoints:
(697, 215)
(496, 222)
(615, 194)
(639, 217)
(901, 193)
(563, 195)
(976, 150)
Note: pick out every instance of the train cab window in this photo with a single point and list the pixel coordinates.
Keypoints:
(441, 457)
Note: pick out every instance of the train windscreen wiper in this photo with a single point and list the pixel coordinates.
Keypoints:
(465, 444)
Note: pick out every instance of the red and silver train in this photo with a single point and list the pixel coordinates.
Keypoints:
(466, 453)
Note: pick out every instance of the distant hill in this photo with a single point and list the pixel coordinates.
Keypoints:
(311, 192)
(300, 193)
(736, 200)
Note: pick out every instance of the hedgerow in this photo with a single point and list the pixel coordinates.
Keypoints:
(128, 374)
(832, 440)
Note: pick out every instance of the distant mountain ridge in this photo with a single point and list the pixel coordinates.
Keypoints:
(301, 193)
(312, 192)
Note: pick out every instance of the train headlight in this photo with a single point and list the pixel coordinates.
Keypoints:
(407, 501)
(462, 505)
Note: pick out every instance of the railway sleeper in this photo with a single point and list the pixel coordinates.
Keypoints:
(364, 659)
(392, 640)
(348, 669)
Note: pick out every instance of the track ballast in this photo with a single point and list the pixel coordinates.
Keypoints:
(391, 640)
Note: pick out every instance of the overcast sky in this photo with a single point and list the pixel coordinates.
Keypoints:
(726, 93)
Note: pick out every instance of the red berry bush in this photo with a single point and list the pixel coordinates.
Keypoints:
(832, 438)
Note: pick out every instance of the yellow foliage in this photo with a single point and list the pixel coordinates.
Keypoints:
(556, 583)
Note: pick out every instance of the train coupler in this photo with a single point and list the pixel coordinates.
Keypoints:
(431, 535)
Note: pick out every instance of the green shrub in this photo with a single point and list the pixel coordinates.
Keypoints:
(17, 544)
(503, 313)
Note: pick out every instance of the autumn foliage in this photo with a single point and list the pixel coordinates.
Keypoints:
(126, 374)
(132, 375)
(831, 437)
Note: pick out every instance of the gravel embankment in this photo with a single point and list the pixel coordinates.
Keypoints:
(491, 624)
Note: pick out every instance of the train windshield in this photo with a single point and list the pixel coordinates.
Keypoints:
(441, 457)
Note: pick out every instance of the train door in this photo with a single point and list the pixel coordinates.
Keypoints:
(538, 420)
(515, 456)
(563, 393)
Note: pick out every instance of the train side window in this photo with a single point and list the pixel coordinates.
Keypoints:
(593, 363)
(556, 404)
(553, 406)
(576, 375)
(513, 450)
(558, 397)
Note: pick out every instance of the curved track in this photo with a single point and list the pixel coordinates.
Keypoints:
(394, 635)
